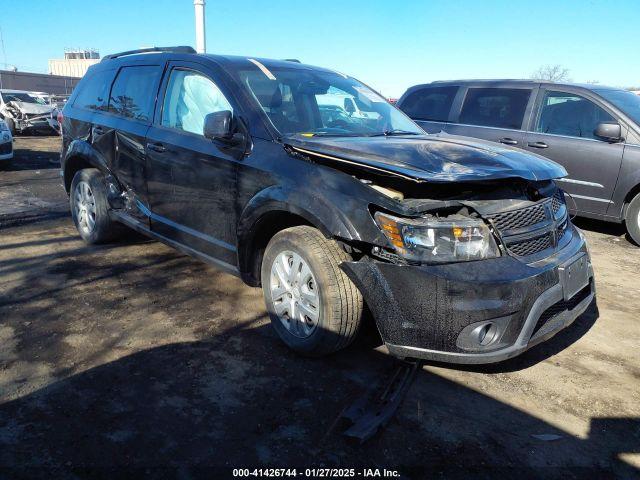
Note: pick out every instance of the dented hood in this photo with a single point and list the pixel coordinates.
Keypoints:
(32, 108)
(431, 158)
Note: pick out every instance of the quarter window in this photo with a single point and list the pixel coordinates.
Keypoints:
(94, 91)
(495, 107)
(189, 99)
(570, 115)
(430, 103)
(133, 92)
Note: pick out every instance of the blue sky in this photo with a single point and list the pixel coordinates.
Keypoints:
(388, 44)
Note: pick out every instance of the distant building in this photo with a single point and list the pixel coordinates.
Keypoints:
(75, 62)
(37, 82)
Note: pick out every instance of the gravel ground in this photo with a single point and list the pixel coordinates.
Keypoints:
(132, 359)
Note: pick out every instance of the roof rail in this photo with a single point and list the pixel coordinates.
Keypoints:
(180, 49)
(294, 60)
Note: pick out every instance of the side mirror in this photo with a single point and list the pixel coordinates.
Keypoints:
(218, 125)
(349, 106)
(609, 131)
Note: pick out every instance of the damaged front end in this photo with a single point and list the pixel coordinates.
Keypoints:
(467, 271)
(28, 117)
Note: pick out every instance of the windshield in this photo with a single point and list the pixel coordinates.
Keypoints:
(626, 101)
(320, 103)
(22, 97)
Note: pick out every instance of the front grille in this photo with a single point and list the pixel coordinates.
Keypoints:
(557, 201)
(6, 148)
(531, 230)
(524, 217)
(561, 306)
(530, 246)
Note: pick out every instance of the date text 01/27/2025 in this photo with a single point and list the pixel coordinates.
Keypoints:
(316, 473)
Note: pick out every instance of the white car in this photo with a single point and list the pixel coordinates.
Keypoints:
(6, 142)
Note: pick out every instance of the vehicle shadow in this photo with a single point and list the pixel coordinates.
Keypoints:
(26, 158)
(606, 228)
(240, 399)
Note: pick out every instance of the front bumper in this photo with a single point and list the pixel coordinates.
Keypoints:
(429, 312)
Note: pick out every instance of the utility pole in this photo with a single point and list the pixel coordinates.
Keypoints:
(201, 43)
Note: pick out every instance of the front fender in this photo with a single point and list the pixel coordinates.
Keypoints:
(308, 205)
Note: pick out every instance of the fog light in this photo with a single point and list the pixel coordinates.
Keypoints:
(483, 335)
(486, 333)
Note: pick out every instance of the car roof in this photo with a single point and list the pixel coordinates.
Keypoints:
(6, 90)
(516, 82)
(231, 62)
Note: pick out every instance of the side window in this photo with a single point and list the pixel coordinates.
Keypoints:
(133, 92)
(430, 103)
(190, 97)
(495, 107)
(569, 114)
(94, 91)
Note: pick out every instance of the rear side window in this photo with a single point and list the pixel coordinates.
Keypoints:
(570, 115)
(93, 93)
(495, 107)
(133, 93)
(430, 103)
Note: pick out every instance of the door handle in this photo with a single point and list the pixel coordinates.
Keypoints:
(538, 145)
(156, 147)
(508, 141)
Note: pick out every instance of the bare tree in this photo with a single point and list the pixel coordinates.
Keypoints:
(551, 73)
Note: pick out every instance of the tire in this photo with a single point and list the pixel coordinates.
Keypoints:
(90, 208)
(339, 303)
(632, 219)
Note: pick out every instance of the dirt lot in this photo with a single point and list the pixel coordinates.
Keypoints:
(133, 358)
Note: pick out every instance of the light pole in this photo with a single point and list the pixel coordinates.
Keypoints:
(201, 43)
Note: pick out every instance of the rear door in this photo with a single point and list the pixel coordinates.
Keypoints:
(191, 179)
(119, 131)
(429, 106)
(562, 130)
(496, 114)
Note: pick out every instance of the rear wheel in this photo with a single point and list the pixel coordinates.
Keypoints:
(90, 208)
(314, 307)
(632, 219)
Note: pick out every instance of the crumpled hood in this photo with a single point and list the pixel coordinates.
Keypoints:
(33, 108)
(433, 158)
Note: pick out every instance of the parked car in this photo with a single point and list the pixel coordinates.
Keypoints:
(6, 142)
(27, 112)
(591, 130)
(462, 249)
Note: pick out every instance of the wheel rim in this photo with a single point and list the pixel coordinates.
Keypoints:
(295, 294)
(85, 207)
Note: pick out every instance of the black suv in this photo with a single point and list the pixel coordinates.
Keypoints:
(462, 249)
(591, 130)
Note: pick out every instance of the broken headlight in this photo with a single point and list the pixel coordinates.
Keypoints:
(432, 240)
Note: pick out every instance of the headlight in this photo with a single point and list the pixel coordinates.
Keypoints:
(431, 240)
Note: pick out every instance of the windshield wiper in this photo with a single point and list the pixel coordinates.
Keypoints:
(395, 131)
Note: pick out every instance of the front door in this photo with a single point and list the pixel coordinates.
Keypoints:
(191, 179)
(563, 132)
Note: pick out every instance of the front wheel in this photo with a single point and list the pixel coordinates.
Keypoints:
(632, 219)
(313, 305)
